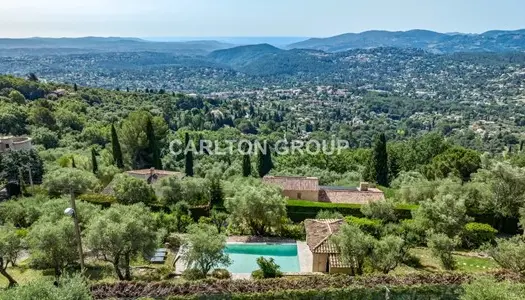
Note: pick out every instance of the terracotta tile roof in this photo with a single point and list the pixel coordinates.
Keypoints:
(336, 261)
(318, 233)
(294, 183)
(350, 195)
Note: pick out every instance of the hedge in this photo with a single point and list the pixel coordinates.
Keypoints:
(227, 288)
(428, 292)
(299, 210)
(477, 234)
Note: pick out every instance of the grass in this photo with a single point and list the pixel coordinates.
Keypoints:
(465, 263)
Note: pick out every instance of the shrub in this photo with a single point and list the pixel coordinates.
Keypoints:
(383, 210)
(193, 274)
(175, 240)
(70, 288)
(442, 246)
(268, 268)
(510, 254)
(489, 289)
(328, 214)
(104, 200)
(477, 234)
(370, 226)
(292, 231)
(221, 274)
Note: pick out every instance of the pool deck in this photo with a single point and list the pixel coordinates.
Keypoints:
(303, 253)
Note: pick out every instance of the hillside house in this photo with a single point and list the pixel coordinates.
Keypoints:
(308, 188)
(149, 175)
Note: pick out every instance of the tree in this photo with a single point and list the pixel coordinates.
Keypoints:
(14, 163)
(69, 181)
(354, 246)
(10, 248)
(131, 190)
(510, 254)
(94, 164)
(379, 161)
(17, 97)
(258, 207)
(387, 253)
(153, 147)
(121, 233)
(195, 191)
(188, 165)
(73, 165)
(70, 287)
(456, 161)
(383, 210)
(444, 214)
(264, 160)
(441, 247)
(487, 288)
(267, 269)
(53, 244)
(246, 165)
(32, 77)
(205, 248)
(115, 145)
(13, 119)
(328, 214)
(216, 193)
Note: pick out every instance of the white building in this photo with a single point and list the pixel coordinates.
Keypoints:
(8, 143)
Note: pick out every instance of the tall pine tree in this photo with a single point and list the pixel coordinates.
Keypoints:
(115, 145)
(153, 146)
(94, 163)
(188, 166)
(379, 163)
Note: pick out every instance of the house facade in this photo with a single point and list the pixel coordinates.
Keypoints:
(14, 143)
(308, 188)
(325, 256)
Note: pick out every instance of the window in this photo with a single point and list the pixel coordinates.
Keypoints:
(7, 146)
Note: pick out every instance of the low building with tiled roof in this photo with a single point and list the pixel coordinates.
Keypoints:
(325, 255)
(308, 188)
(296, 187)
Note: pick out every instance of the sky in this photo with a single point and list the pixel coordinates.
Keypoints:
(225, 18)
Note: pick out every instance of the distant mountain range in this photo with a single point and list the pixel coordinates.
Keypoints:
(490, 41)
(434, 42)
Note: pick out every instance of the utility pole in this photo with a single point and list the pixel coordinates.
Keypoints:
(77, 230)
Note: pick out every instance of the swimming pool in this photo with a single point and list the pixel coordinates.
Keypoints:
(244, 256)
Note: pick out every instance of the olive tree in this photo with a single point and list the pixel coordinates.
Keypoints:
(205, 248)
(387, 253)
(53, 244)
(69, 181)
(10, 247)
(354, 245)
(130, 190)
(259, 208)
(510, 254)
(120, 234)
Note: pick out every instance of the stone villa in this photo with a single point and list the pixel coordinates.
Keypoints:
(308, 188)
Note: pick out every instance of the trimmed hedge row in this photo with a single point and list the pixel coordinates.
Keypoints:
(226, 288)
(299, 210)
(429, 292)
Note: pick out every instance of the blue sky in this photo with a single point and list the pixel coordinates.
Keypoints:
(208, 18)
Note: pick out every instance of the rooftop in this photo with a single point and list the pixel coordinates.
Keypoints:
(294, 183)
(318, 233)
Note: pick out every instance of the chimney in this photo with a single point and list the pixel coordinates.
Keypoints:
(363, 186)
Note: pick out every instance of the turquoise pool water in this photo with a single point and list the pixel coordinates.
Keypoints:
(244, 256)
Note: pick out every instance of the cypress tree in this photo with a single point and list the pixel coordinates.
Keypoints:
(153, 147)
(264, 161)
(521, 145)
(75, 87)
(246, 165)
(188, 167)
(94, 163)
(73, 165)
(380, 160)
(216, 194)
(115, 145)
